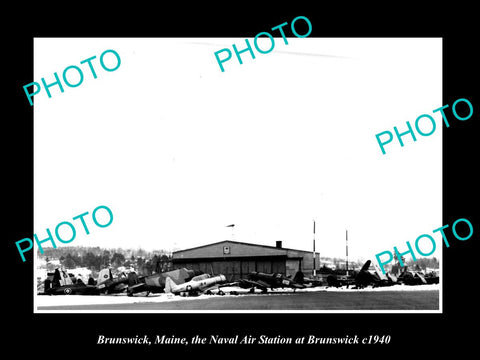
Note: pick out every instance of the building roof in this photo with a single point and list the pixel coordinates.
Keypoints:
(271, 249)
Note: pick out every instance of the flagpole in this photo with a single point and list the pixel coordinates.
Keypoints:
(233, 228)
(346, 246)
(314, 268)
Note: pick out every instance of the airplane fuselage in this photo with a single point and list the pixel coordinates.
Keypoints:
(198, 283)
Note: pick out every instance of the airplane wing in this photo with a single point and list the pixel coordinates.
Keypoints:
(242, 283)
(235, 283)
(298, 286)
(120, 286)
(258, 283)
(213, 287)
(137, 288)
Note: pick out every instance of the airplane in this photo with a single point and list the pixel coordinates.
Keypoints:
(107, 284)
(300, 278)
(61, 284)
(432, 276)
(410, 277)
(365, 276)
(340, 280)
(198, 284)
(264, 281)
(156, 283)
(374, 277)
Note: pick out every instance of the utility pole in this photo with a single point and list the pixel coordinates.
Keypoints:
(314, 268)
(346, 246)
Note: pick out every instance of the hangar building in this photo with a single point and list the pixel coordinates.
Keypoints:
(236, 259)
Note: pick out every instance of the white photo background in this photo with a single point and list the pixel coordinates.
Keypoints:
(178, 149)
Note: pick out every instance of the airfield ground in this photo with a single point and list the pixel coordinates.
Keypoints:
(396, 298)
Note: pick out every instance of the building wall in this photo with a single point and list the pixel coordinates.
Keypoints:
(292, 266)
(235, 260)
(306, 260)
(234, 269)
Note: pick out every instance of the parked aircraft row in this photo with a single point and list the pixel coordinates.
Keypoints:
(178, 282)
(192, 282)
(376, 278)
(60, 283)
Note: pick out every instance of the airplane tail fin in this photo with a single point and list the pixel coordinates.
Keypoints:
(133, 279)
(169, 285)
(299, 277)
(56, 278)
(61, 278)
(379, 272)
(104, 275)
(366, 265)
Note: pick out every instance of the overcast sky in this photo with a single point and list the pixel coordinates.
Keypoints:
(178, 149)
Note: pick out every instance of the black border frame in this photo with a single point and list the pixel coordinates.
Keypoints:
(426, 333)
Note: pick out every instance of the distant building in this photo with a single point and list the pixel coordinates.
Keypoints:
(327, 263)
(236, 259)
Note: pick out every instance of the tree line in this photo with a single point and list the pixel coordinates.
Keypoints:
(95, 258)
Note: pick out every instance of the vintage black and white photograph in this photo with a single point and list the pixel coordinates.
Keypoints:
(240, 180)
